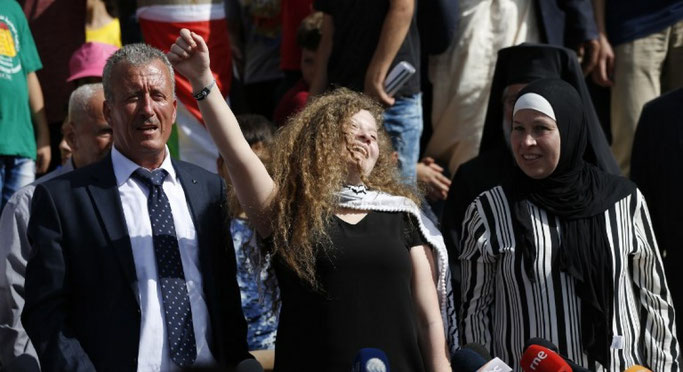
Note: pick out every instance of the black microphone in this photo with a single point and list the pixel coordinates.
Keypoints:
(466, 359)
(479, 349)
(475, 358)
(249, 365)
(547, 344)
(370, 360)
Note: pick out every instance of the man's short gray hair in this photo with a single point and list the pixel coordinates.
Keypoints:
(137, 55)
(78, 102)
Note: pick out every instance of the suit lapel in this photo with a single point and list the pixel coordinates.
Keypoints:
(193, 193)
(105, 196)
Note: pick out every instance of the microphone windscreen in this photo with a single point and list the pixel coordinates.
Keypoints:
(637, 368)
(541, 359)
(479, 349)
(249, 365)
(467, 360)
(370, 360)
(545, 343)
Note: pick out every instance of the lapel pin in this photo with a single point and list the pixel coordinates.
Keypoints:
(194, 181)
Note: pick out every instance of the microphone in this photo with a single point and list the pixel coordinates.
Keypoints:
(370, 360)
(541, 359)
(479, 349)
(545, 343)
(637, 368)
(466, 359)
(249, 365)
(475, 358)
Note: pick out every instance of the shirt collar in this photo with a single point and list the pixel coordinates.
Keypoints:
(124, 167)
(69, 165)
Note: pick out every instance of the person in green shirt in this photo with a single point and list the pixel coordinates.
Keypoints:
(24, 136)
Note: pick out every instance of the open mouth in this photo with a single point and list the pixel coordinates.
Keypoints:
(531, 157)
(148, 128)
(360, 149)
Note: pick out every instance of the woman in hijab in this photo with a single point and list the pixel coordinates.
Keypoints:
(563, 251)
(516, 67)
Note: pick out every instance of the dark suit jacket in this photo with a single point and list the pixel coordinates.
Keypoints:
(81, 307)
(566, 22)
(656, 169)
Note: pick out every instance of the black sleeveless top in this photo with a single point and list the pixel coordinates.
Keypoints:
(366, 299)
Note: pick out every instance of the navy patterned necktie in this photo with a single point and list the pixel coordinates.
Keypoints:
(179, 327)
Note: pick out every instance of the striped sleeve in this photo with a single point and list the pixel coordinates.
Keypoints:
(477, 275)
(658, 328)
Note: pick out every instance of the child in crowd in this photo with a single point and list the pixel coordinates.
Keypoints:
(308, 38)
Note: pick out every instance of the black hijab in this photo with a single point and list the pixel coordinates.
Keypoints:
(578, 193)
(517, 64)
(529, 62)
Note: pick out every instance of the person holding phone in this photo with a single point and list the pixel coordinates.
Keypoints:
(361, 42)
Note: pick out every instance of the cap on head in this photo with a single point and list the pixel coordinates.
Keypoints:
(89, 60)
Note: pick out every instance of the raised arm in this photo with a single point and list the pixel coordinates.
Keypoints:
(253, 185)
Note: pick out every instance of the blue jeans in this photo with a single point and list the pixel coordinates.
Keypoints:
(15, 173)
(403, 122)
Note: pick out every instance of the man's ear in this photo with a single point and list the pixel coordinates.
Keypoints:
(69, 135)
(175, 109)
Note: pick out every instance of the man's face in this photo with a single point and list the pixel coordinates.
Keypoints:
(142, 111)
(90, 140)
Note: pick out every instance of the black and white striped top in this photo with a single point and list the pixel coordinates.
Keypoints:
(501, 308)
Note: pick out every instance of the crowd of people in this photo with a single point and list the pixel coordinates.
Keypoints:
(233, 185)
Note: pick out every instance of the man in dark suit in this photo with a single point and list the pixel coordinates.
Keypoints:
(133, 268)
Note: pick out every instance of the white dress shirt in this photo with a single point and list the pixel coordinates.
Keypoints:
(153, 352)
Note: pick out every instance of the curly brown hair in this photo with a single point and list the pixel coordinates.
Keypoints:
(309, 166)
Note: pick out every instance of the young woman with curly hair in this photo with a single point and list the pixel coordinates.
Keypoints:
(357, 264)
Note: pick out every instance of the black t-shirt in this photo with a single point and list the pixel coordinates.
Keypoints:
(365, 299)
(357, 26)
